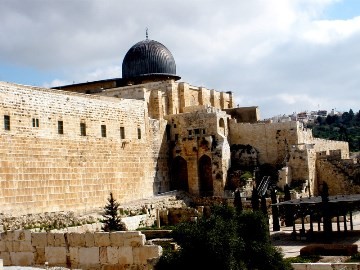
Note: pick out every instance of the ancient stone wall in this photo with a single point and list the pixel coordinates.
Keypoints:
(341, 175)
(272, 140)
(99, 250)
(198, 133)
(43, 170)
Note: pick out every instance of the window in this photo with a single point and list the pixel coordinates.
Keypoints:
(122, 133)
(197, 131)
(190, 132)
(139, 133)
(103, 131)
(60, 127)
(6, 122)
(176, 137)
(82, 129)
(35, 122)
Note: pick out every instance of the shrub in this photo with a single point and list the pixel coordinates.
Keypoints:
(226, 240)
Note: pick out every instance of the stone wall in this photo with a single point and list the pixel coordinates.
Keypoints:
(199, 135)
(99, 250)
(272, 140)
(44, 171)
(341, 176)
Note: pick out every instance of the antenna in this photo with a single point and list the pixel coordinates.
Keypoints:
(147, 33)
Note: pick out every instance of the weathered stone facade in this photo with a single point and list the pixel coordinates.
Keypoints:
(99, 250)
(43, 169)
(287, 145)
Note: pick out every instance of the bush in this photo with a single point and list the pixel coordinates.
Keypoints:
(226, 240)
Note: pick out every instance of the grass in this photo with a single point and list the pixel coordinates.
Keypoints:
(303, 259)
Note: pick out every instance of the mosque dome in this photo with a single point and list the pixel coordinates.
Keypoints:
(149, 58)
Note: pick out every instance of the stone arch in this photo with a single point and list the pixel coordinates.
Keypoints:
(205, 176)
(179, 174)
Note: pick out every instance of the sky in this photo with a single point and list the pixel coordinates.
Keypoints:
(283, 56)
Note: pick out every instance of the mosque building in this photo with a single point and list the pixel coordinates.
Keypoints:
(66, 148)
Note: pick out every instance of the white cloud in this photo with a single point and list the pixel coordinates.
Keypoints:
(269, 53)
(327, 32)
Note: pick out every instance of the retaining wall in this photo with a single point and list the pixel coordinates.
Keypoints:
(99, 250)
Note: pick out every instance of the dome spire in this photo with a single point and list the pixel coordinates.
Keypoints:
(147, 33)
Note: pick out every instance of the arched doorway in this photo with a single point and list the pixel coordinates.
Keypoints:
(205, 176)
(179, 175)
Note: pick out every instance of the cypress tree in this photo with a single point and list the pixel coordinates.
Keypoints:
(112, 220)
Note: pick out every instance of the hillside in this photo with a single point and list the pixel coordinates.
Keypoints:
(343, 128)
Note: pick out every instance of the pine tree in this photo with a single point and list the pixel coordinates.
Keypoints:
(112, 220)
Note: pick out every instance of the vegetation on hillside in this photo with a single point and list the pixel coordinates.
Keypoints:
(227, 240)
(343, 128)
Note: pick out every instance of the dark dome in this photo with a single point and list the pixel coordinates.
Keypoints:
(148, 58)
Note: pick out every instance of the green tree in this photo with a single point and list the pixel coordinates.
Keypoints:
(112, 220)
(227, 240)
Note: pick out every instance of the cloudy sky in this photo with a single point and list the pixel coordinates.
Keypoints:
(281, 55)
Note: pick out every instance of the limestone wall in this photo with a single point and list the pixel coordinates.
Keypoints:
(99, 250)
(272, 140)
(329, 145)
(197, 134)
(44, 171)
(340, 175)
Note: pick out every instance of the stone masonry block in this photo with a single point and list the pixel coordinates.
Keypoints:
(89, 239)
(102, 239)
(9, 246)
(88, 256)
(22, 235)
(135, 240)
(50, 239)
(113, 255)
(39, 255)
(16, 246)
(8, 235)
(76, 239)
(103, 255)
(59, 240)
(2, 246)
(6, 258)
(2, 236)
(39, 239)
(22, 258)
(142, 254)
(26, 246)
(74, 256)
(117, 239)
(55, 255)
(126, 255)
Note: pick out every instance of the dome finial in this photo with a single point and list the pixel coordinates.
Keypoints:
(147, 33)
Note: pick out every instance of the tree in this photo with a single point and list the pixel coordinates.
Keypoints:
(112, 220)
(275, 211)
(237, 201)
(254, 199)
(227, 240)
(288, 209)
